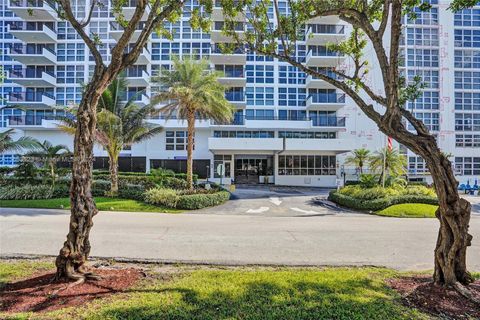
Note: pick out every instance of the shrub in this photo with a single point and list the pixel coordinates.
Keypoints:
(202, 200)
(161, 196)
(100, 187)
(132, 191)
(61, 191)
(26, 192)
(379, 203)
(378, 192)
(368, 180)
(173, 183)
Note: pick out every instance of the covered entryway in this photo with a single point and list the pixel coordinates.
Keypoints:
(253, 169)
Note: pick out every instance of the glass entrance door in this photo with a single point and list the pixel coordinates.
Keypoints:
(248, 169)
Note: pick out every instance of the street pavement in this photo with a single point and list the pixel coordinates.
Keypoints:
(291, 231)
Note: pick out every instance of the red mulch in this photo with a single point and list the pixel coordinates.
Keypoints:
(420, 292)
(36, 293)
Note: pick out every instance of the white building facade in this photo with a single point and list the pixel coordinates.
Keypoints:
(289, 128)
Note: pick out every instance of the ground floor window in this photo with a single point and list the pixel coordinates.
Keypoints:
(299, 165)
(243, 134)
(306, 135)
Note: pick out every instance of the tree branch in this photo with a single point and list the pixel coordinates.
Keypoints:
(67, 9)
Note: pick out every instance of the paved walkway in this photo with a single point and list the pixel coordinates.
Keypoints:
(336, 239)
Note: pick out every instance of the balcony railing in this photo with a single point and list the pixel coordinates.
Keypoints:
(29, 73)
(235, 96)
(327, 97)
(31, 120)
(229, 73)
(328, 121)
(31, 26)
(30, 3)
(237, 26)
(29, 96)
(29, 49)
(326, 29)
(115, 26)
(135, 73)
(217, 50)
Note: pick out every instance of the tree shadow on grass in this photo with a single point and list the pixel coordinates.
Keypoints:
(260, 299)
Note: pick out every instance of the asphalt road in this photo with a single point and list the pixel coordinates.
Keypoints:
(335, 239)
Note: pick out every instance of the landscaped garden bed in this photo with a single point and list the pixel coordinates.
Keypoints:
(160, 191)
(397, 200)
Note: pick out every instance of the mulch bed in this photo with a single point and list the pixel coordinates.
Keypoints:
(37, 293)
(420, 292)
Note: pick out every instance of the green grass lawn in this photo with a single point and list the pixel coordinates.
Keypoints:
(103, 203)
(248, 293)
(409, 210)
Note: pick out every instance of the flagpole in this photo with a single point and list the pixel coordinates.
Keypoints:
(384, 161)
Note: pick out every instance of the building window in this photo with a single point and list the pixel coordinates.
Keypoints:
(416, 165)
(467, 38)
(422, 37)
(296, 165)
(467, 101)
(421, 58)
(306, 135)
(467, 140)
(176, 140)
(430, 120)
(224, 159)
(429, 100)
(244, 134)
(467, 121)
(9, 159)
(467, 59)
(260, 96)
(467, 166)
(291, 97)
(259, 73)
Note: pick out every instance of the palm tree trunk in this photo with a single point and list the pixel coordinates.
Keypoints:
(190, 134)
(113, 163)
(75, 250)
(52, 172)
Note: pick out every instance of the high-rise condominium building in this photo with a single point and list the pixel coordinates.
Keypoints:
(289, 128)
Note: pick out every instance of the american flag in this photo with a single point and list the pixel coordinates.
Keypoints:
(389, 143)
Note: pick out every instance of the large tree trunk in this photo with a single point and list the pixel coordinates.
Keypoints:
(453, 212)
(454, 216)
(75, 250)
(190, 134)
(113, 164)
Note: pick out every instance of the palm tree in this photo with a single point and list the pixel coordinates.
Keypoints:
(8, 144)
(119, 124)
(50, 155)
(388, 162)
(358, 158)
(193, 91)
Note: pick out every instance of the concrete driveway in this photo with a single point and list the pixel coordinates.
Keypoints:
(273, 201)
(335, 239)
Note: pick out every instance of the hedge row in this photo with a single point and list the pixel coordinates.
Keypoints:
(185, 200)
(378, 204)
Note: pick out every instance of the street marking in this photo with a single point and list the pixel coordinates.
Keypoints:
(259, 210)
(304, 211)
(275, 200)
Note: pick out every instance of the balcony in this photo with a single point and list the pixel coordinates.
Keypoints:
(322, 34)
(33, 10)
(33, 32)
(257, 122)
(328, 122)
(237, 98)
(145, 57)
(32, 78)
(116, 31)
(217, 34)
(315, 83)
(139, 98)
(129, 9)
(326, 102)
(233, 78)
(33, 55)
(324, 59)
(238, 120)
(217, 13)
(245, 144)
(31, 99)
(325, 20)
(238, 56)
(137, 78)
(36, 122)
(174, 122)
